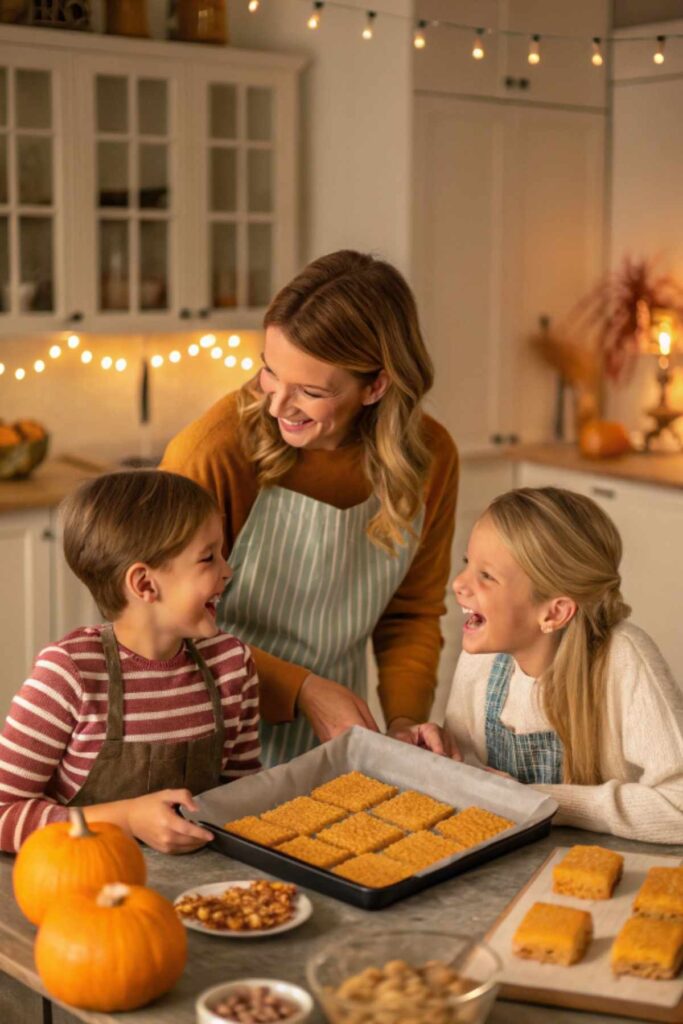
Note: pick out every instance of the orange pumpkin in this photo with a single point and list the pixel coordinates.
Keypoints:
(112, 951)
(601, 439)
(72, 856)
(30, 430)
(9, 436)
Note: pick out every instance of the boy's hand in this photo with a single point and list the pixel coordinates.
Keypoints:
(331, 708)
(426, 734)
(152, 819)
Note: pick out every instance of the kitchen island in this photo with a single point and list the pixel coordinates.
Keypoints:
(469, 903)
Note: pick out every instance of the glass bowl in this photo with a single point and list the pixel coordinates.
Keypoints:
(372, 976)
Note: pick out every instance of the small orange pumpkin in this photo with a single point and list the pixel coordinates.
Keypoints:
(72, 856)
(30, 430)
(601, 439)
(116, 950)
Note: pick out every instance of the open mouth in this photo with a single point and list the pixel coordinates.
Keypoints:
(211, 606)
(473, 620)
(293, 426)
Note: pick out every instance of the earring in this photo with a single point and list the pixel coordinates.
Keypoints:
(547, 628)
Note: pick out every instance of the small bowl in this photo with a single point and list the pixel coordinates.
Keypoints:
(18, 460)
(212, 996)
(473, 961)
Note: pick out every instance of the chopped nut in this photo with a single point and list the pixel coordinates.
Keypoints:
(259, 906)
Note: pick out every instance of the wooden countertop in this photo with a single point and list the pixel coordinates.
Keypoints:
(51, 481)
(469, 903)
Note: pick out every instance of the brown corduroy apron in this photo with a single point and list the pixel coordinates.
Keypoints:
(123, 770)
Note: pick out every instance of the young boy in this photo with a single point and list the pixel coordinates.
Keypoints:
(130, 718)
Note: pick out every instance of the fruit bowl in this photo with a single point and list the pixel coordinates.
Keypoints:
(22, 448)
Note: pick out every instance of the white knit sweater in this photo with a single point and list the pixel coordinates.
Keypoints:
(642, 743)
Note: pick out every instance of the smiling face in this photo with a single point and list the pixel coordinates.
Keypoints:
(497, 599)
(191, 584)
(315, 403)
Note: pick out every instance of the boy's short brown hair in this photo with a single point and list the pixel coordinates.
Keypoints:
(117, 519)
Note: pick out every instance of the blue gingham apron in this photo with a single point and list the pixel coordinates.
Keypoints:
(534, 757)
(309, 587)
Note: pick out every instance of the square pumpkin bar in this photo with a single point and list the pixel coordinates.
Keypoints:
(263, 832)
(354, 791)
(661, 895)
(648, 948)
(313, 851)
(420, 849)
(588, 872)
(374, 870)
(552, 934)
(412, 811)
(360, 833)
(472, 826)
(303, 816)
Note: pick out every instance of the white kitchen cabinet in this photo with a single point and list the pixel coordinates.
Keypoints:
(40, 598)
(167, 179)
(649, 519)
(508, 214)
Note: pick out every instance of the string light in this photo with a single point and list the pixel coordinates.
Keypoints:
(86, 356)
(39, 366)
(419, 39)
(207, 341)
(253, 6)
(73, 341)
(230, 361)
(55, 352)
(367, 32)
(478, 51)
(2, 369)
(597, 59)
(534, 56)
(20, 373)
(174, 356)
(234, 341)
(120, 365)
(247, 364)
(193, 350)
(659, 52)
(314, 20)
(106, 362)
(157, 361)
(217, 352)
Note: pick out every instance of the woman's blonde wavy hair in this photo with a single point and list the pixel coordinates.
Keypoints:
(358, 313)
(569, 547)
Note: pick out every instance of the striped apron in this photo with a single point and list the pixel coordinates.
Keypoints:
(533, 757)
(309, 587)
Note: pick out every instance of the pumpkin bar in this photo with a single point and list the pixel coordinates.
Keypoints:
(361, 833)
(313, 851)
(472, 826)
(420, 849)
(553, 934)
(374, 870)
(412, 811)
(661, 895)
(354, 791)
(263, 832)
(588, 872)
(302, 815)
(648, 948)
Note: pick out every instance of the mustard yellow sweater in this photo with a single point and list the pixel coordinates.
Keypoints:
(406, 640)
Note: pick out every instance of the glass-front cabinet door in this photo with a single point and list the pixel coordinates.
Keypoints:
(31, 188)
(244, 189)
(131, 180)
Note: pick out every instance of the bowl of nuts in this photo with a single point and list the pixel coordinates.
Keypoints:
(254, 1001)
(427, 977)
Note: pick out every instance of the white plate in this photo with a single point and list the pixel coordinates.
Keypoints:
(303, 909)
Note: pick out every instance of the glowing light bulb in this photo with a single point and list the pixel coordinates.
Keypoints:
(314, 20)
(368, 30)
(73, 341)
(86, 356)
(207, 340)
(234, 341)
(2, 369)
(217, 352)
(174, 356)
(156, 361)
(120, 365)
(253, 6)
(534, 56)
(597, 60)
(664, 341)
(658, 57)
(478, 51)
(55, 352)
(247, 363)
(419, 39)
(20, 373)
(106, 362)
(39, 366)
(193, 350)
(230, 361)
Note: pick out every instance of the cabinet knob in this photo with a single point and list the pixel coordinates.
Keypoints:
(204, 312)
(48, 534)
(497, 439)
(75, 317)
(185, 313)
(603, 492)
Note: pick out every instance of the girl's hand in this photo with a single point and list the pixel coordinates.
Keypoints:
(428, 735)
(496, 771)
(152, 819)
(331, 708)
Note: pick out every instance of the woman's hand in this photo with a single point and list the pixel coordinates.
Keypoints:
(428, 735)
(152, 819)
(331, 708)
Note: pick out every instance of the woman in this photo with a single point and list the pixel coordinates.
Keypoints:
(339, 500)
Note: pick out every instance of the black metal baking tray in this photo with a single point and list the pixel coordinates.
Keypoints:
(390, 761)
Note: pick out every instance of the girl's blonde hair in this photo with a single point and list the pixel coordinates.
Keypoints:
(358, 313)
(568, 546)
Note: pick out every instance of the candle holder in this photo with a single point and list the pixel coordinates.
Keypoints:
(664, 332)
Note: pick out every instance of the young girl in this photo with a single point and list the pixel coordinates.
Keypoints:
(554, 687)
(131, 718)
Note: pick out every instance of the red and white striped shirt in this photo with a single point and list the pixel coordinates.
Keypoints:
(58, 720)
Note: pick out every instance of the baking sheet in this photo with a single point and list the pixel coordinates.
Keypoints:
(391, 761)
(592, 977)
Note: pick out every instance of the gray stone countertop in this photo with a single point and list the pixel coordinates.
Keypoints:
(469, 903)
